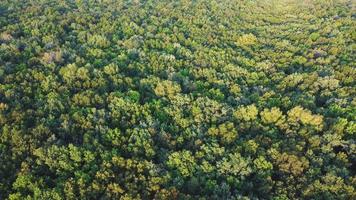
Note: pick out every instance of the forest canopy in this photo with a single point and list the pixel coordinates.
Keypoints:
(202, 99)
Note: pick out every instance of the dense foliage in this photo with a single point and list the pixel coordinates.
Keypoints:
(203, 99)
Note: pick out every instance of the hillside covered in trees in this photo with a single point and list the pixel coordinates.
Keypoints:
(177, 99)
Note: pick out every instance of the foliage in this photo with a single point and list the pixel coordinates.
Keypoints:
(203, 99)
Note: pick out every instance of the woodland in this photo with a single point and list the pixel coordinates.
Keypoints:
(177, 99)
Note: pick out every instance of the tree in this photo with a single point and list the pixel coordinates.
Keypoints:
(246, 113)
(183, 162)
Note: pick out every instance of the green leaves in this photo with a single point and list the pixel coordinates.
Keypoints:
(167, 89)
(246, 40)
(314, 36)
(262, 164)
(246, 113)
(234, 165)
(226, 131)
(272, 116)
(203, 99)
(305, 117)
(183, 162)
(98, 41)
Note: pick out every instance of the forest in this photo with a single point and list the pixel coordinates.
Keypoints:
(177, 99)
